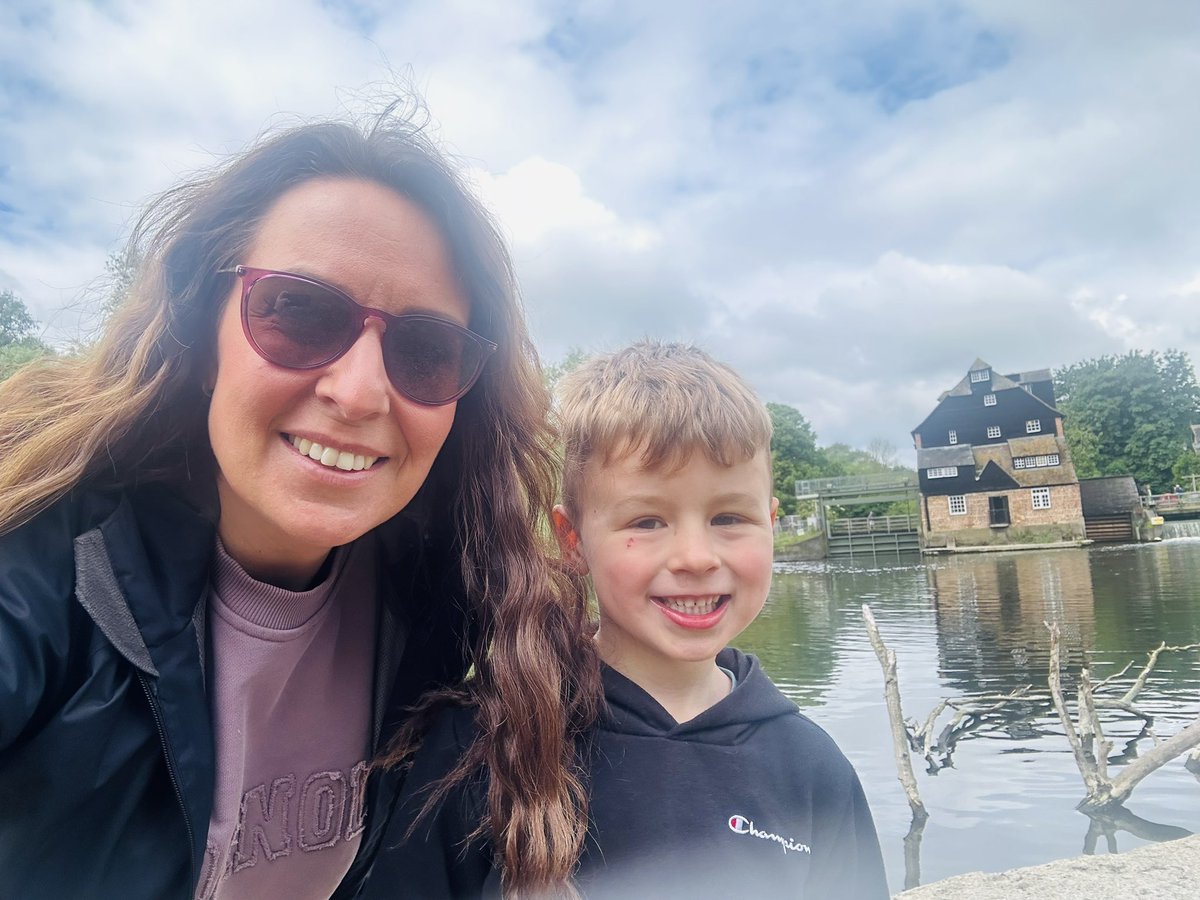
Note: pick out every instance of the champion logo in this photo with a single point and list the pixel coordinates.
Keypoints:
(741, 825)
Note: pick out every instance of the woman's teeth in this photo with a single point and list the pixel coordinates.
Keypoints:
(698, 606)
(331, 456)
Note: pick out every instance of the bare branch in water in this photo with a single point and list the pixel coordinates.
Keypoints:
(891, 693)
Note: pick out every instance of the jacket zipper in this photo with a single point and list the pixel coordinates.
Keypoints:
(162, 737)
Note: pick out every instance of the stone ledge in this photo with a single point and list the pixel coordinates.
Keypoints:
(1170, 871)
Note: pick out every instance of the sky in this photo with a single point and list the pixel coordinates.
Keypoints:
(848, 201)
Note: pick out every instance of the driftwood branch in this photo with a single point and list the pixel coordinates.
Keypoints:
(1083, 760)
(1140, 682)
(1088, 742)
(1176, 745)
(891, 692)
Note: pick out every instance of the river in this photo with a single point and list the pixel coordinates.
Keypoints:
(969, 626)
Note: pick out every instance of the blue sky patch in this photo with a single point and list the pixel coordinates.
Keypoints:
(362, 16)
(919, 56)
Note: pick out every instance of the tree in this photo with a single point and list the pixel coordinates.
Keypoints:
(1129, 414)
(794, 453)
(120, 271)
(16, 324)
(882, 451)
(553, 374)
(1186, 467)
(18, 345)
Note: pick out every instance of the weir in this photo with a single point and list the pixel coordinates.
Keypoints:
(1181, 528)
(865, 537)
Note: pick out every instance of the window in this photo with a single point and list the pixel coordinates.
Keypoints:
(953, 436)
(1041, 461)
(942, 472)
(989, 399)
(1033, 426)
(958, 505)
(1041, 498)
(998, 511)
(993, 431)
(981, 375)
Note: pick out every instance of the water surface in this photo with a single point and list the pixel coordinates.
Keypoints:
(972, 625)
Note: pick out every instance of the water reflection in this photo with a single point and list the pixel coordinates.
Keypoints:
(991, 614)
(970, 626)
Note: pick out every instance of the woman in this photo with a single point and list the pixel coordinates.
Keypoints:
(296, 485)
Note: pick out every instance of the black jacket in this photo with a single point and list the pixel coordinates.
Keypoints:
(750, 799)
(106, 746)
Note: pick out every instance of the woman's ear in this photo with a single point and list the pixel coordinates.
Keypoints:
(568, 541)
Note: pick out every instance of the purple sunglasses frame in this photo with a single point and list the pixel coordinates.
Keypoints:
(251, 275)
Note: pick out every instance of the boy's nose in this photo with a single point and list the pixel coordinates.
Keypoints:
(693, 552)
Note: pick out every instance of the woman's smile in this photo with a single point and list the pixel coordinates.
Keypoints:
(331, 456)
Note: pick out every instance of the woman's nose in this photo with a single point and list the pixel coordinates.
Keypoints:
(357, 383)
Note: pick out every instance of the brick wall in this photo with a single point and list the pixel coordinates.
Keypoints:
(1062, 521)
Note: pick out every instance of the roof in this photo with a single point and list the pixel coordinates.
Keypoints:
(1113, 495)
(1031, 376)
(1033, 445)
(936, 457)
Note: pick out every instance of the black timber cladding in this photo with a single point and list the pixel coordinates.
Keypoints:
(1014, 402)
(958, 457)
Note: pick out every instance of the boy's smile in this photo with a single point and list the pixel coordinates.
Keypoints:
(680, 560)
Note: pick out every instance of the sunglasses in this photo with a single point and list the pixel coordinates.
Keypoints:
(300, 323)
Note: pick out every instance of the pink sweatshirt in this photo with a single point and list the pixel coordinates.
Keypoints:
(291, 705)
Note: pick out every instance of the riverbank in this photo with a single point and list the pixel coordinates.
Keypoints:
(1167, 871)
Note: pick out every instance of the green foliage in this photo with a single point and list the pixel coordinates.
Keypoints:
(794, 454)
(120, 270)
(18, 345)
(16, 323)
(554, 373)
(13, 356)
(1185, 467)
(1085, 448)
(1129, 414)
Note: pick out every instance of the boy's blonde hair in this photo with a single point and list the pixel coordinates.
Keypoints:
(663, 401)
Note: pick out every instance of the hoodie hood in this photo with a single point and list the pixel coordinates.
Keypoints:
(753, 700)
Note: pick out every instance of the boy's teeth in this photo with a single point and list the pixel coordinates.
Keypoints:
(701, 607)
(331, 456)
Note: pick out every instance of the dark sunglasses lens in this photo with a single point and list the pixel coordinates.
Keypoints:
(430, 360)
(297, 324)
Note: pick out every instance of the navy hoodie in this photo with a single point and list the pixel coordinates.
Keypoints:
(750, 798)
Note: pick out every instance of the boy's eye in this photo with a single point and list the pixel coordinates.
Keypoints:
(647, 523)
(726, 519)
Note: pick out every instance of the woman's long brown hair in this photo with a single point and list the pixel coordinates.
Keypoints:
(132, 409)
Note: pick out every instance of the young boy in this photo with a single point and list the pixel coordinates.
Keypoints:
(704, 780)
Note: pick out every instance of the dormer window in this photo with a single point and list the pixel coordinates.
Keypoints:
(993, 431)
(953, 436)
(989, 399)
(978, 376)
(1033, 426)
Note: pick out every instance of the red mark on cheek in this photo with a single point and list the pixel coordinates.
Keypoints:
(629, 543)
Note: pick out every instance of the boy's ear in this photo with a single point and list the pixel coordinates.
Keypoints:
(774, 508)
(568, 541)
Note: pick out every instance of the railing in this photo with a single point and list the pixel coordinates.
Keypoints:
(872, 525)
(1187, 501)
(854, 483)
